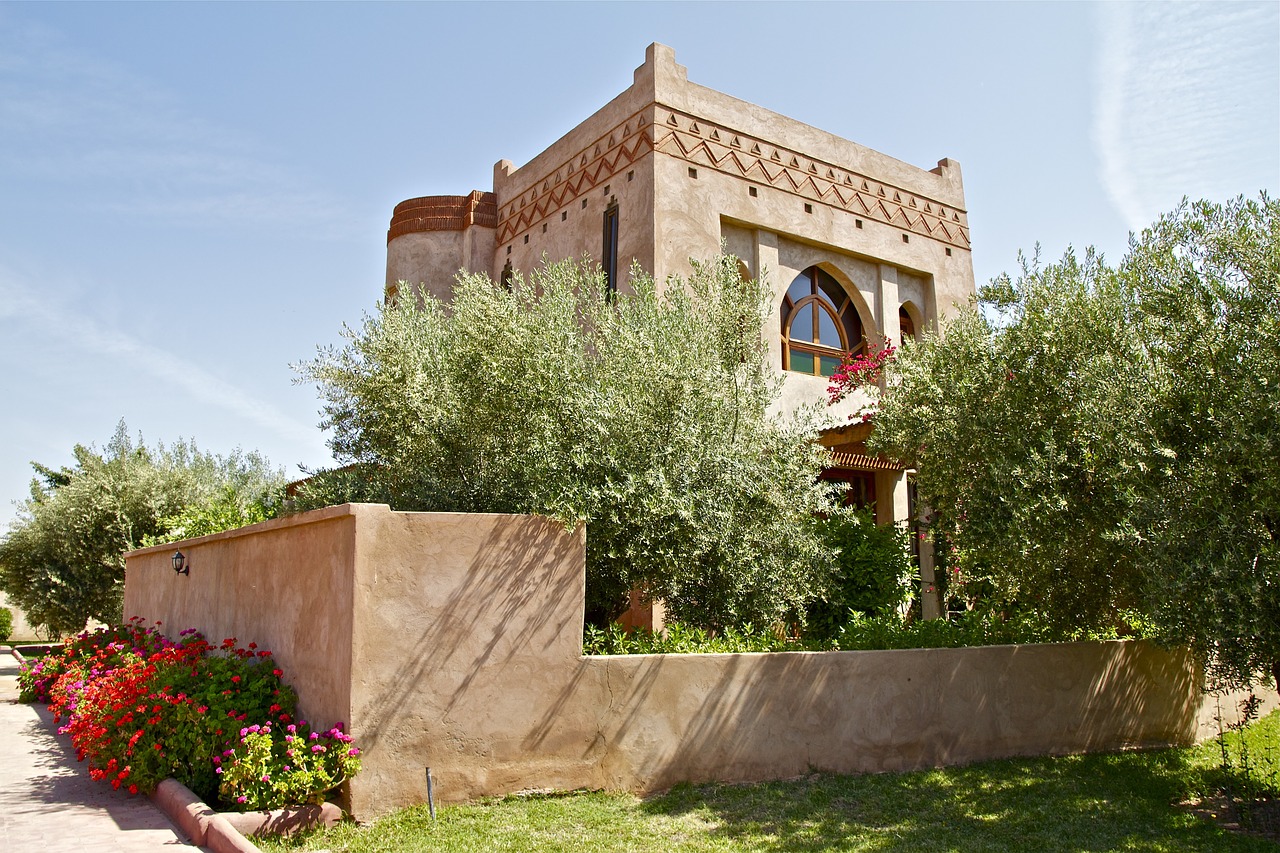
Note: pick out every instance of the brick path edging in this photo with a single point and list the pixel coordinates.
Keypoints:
(200, 823)
(228, 832)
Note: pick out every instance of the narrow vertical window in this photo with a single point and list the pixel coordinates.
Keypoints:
(507, 275)
(609, 260)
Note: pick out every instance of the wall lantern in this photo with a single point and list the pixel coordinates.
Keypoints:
(180, 563)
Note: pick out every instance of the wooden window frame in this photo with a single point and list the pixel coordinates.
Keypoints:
(845, 325)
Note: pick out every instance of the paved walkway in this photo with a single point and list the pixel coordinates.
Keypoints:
(48, 803)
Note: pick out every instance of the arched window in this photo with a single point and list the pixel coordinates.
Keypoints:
(819, 324)
(906, 324)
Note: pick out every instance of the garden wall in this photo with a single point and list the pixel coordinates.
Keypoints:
(454, 641)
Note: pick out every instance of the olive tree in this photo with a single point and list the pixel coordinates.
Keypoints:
(644, 414)
(62, 560)
(1025, 423)
(1095, 439)
(1209, 279)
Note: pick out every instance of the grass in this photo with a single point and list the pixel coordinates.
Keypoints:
(1240, 772)
(1095, 803)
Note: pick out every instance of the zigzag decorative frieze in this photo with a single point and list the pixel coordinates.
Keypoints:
(688, 138)
(695, 140)
(581, 173)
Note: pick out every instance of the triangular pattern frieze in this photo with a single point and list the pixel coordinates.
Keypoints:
(579, 174)
(701, 142)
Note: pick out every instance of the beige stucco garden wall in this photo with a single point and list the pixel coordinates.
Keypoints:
(286, 585)
(454, 641)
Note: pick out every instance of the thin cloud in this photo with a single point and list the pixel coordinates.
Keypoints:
(18, 304)
(1187, 103)
(127, 144)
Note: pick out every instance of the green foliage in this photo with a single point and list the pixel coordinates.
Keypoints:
(1023, 428)
(1209, 276)
(685, 639)
(234, 491)
(6, 624)
(645, 416)
(140, 708)
(62, 561)
(967, 628)
(267, 769)
(1103, 439)
(860, 631)
(873, 572)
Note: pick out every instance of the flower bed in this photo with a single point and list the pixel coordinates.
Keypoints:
(219, 719)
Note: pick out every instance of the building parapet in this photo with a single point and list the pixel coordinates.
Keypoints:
(444, 213)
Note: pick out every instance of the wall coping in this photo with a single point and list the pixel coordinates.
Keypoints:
(315, 516)
(954, 650)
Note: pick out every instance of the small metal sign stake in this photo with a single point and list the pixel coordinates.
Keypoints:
(431, 799)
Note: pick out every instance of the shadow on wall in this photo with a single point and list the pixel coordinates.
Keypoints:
(454, 641)
(474, 599)
(667, 719)
(493, 693)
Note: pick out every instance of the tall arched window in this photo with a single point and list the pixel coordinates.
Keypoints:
(819, 324)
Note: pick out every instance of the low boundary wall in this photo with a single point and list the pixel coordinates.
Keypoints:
(454, 641)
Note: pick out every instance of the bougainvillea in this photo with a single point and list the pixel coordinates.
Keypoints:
(861, 371)
(140, 707)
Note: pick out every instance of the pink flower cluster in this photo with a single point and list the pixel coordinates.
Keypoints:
(859, 371)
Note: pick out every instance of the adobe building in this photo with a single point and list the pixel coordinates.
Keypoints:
(857, 246)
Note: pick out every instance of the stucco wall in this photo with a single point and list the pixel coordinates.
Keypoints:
(466, 628)
(453, 641)
(763, 716)
(687, 164)
(429, 261)
(22, 630)
(285, 584)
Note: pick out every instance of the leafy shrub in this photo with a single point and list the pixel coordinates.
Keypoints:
(144, 711)
(225, 510)
(264, 770)
(872, 575)
(860, 632)
(62, 560)
(890, 631)
(677, 638)
(1072, 431)
(970, 628)
(139, 708)
(6, 624)
(646, 415)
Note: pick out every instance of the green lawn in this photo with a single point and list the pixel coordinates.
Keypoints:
(1078, 803)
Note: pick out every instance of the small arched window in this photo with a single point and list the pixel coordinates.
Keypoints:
(820, 324)
(906, 324)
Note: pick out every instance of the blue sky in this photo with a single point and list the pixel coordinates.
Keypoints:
(194, 196)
